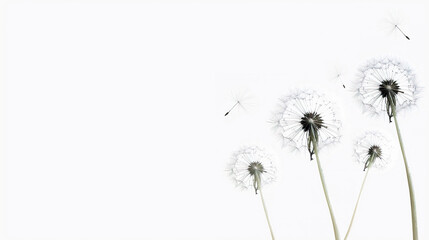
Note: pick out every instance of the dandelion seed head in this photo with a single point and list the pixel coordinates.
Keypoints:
(311, 120)
(250, 163)
(385, 84)
(372, 144)
(302, 111)
(255, 168)
(375, 150)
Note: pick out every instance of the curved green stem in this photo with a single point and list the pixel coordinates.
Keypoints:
(258, 179)
(360, 192)
(322, 179)
(410, 184)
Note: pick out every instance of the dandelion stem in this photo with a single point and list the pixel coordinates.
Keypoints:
(258, 179)
(232, 108)
(396, 26)
(410, 184)
(322, 179)
(360, 192)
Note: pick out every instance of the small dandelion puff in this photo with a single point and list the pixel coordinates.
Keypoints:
(249, 164)
(386, 85)
(304, 114)
(252, 167)
(372, 149)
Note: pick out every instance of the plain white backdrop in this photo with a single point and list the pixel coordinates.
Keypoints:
(113, 126)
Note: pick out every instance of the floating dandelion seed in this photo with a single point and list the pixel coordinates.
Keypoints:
(393, 24)
(252, 167)
(340, 79)
(304, 113)
(372, 150)
(242, 101)
(338, 76)
(397, 27)
(388, 86)
(307, 120)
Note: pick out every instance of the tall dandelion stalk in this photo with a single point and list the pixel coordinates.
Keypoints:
(410, 182)
(387, 86)
(322, 179)
(306, 120)
(258, 179)
(371, 150)
(357, 203)
(252, 168)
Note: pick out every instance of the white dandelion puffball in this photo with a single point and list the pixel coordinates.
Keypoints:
(300, 111)
(372, 143)
(249, 162)
(385, 82)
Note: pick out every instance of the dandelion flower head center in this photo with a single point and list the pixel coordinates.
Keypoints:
(255, 168)
(311, 120)
(389, 88)
(375, 151)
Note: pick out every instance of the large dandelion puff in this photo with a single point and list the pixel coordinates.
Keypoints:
(252, 167)
(307, 120)
(371, 150)
(388, 86)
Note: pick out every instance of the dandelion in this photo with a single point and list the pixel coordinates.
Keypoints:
(372, 150)
(387, 86)
(375, 145)
(252, 167)
(306, 120)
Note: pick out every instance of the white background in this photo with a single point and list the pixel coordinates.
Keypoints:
(113, 126)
